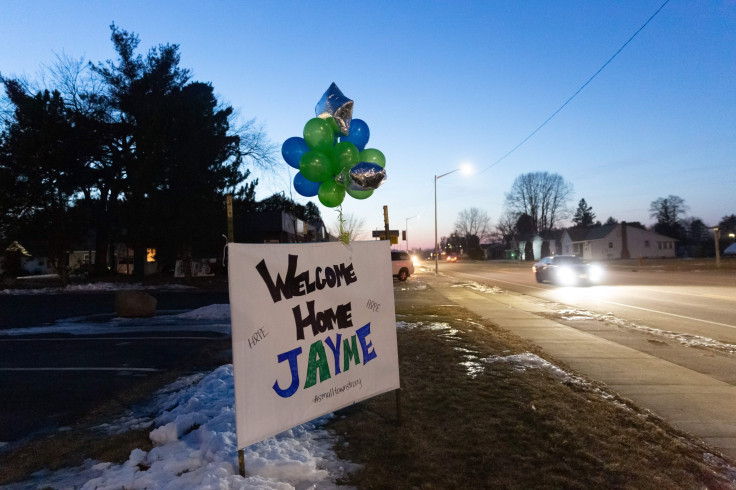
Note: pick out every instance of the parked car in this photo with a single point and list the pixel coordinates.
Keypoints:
(401, 265)
(567, 270)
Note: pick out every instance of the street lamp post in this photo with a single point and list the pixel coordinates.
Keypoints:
(406, 230)
(436, 244)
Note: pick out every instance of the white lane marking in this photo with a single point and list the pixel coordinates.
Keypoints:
(697, 295)
(668, 314)
(614, 303)
(147, 370)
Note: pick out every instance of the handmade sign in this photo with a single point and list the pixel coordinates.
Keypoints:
(313, 328)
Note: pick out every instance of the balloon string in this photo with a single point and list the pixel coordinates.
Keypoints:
(344, 237)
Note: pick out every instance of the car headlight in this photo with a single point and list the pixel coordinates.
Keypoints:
(566, 276)
(596, 273)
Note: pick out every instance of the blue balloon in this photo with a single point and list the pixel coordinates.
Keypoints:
(304, 186)
(293, 149)
(358, 135)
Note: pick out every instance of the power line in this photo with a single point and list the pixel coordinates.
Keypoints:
(578, 90)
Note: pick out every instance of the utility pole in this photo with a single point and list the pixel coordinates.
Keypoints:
(385, 222)
(717, 237)
(230, 226)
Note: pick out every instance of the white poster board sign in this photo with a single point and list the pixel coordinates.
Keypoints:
(313, 329)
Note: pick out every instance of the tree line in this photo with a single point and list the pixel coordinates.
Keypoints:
(130, 149)
(538, 203)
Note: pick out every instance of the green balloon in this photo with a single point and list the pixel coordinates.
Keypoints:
(344, 155)
(360, 194)
(373, 156)
(315, 166)
(333, 124)
(331, 194)
(319, 135)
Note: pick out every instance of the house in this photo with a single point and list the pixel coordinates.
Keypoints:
(617, 241)
(277, 227)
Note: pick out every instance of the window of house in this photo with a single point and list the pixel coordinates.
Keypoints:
(646, 243)
(610, 244)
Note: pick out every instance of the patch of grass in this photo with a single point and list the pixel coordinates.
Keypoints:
(470, 424)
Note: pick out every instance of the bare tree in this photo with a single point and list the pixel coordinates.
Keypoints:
(506, 226)
(473, 222)
(351, 228)
(541, 195)
(667, 210)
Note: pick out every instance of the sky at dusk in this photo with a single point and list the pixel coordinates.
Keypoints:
(442, 84)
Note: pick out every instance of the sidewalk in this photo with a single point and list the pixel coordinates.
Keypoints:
(690, 401)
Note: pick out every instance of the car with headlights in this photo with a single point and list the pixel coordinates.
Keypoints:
(567, 270)
(402, 265)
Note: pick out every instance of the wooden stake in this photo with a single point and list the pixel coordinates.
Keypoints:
(241, 462)
(398, 406)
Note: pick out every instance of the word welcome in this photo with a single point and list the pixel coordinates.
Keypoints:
(318, 363)
(300, 284)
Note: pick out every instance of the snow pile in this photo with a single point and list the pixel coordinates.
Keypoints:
(196, 448)
(688, 340)
(211, 312)
(481, 288)
(410, 285)
(527, 360)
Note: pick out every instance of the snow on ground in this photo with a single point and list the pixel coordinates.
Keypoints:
(212, 318)
(411, 284)
(195, 447)
(688, 340)
(193, 430)
(193, 419)
(481, 288)
(93, 287)
(475, 364)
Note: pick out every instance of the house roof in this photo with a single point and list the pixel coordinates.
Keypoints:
(590, 233)
(598, 233)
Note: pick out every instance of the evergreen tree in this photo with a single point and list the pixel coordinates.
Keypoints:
(42, 162)
(584, 215)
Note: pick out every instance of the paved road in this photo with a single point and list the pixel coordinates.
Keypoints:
(698, 303)
(48, 381)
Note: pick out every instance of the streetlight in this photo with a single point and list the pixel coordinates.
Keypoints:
(465, 169)
(406, 230)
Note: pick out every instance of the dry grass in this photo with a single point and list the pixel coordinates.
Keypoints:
(504, 428)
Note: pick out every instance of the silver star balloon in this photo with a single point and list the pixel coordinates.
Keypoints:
(334, 104)
(363, 176)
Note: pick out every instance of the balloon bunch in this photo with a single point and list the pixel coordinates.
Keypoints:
(331, 157)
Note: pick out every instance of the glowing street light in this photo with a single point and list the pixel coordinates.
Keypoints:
(466, 169)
